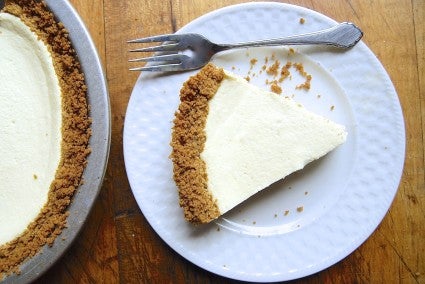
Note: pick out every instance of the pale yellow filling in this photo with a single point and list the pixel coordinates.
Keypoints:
(30, 126)
(255, 138)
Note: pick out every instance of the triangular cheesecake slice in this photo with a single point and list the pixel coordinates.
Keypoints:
(231, 139)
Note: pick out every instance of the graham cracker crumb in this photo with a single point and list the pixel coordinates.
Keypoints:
(274, 69)
(307, 84)
(300, 209)
(75, 136)
(302, 21)
(275, 88)
(188, 141)
(284, 72)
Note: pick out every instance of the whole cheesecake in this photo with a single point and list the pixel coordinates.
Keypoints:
(231, 139)
(44, 130)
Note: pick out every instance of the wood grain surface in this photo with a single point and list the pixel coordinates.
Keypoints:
(117, 245)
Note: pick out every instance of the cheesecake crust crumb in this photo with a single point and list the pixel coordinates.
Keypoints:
(188, 141)
(284, 72)
(274, 69)
(275, 88)
(307, 84)
(75, 136)
(253, 61)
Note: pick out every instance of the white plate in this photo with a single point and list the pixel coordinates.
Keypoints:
(344, 196)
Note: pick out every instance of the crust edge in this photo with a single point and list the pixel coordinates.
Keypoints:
(188, 141)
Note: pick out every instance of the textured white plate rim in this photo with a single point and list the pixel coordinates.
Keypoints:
(348, 247)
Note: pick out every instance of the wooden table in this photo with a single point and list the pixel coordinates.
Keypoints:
(118, 245)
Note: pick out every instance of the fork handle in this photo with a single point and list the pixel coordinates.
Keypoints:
(343, 35)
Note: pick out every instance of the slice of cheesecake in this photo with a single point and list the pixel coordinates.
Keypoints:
(231, 139)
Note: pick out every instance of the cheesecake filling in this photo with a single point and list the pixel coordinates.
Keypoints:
(30, 126)
(263, 135)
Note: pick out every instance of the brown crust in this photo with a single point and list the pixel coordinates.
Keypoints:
(188, 140)
(75, 136)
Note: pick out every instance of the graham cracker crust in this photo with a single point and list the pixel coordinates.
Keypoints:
(188, 141)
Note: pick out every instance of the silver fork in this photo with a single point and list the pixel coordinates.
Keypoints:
(171, 54)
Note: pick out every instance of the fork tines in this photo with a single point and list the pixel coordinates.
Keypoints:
(169, 53)
(170, 43)
(157, 38)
